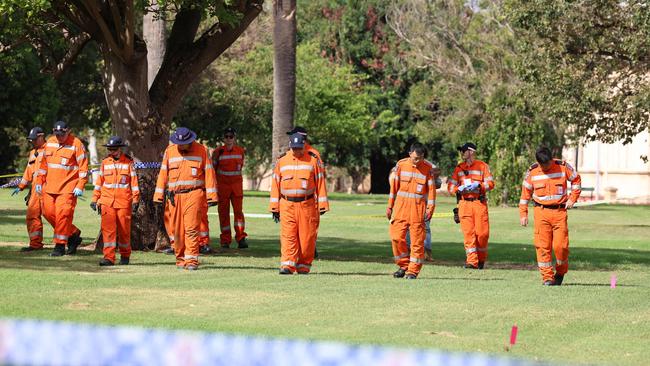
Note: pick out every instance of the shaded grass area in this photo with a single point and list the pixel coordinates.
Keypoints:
(351, 296)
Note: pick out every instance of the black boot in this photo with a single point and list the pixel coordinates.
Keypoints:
(549, 283)
(242, 244)
(285, 271)
(29, 249)
(124, 261)
(73, 243)
(481, 265)
(411, 276)
(558, 279)
(205, 249)
(469, 266)
(315, 253)
(399, 273)
(168, 250)
(59, 250)
(105, 263)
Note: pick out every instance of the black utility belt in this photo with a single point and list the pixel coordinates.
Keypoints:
(297, 199)
(473, 199)
(179, 191)
(552, 207)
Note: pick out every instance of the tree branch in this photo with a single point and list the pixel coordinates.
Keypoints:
(93, 10)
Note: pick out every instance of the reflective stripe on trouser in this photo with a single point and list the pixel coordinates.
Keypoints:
(475, 224)
(33, 219)
(299, 226)
(231, 193)
(551, 234)
(186, 221)
(58, 210)
(116, 228)
(169, 225)
(408, 215)
(204, 234)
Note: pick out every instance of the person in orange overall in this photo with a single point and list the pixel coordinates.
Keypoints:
(298, 195)
(471, 180)
(315, 153)
(61, 178)
(186, 173)
(228, 160)
(411, 203)
(116, 196)
(34, 200)
(546, 184)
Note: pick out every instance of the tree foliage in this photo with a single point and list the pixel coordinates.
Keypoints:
(589, 60)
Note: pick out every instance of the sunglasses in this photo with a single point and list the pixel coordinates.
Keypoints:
(229, 136)
(111, 148)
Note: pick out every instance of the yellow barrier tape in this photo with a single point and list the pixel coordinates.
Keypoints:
(11, 175)
(435, 216)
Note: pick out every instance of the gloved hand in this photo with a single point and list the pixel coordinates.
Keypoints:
(276, 217)
(93, 206)
(134, 207)
(15, 191)
(38, 188)
(389, 212)
(462, 188)
(322, 212)
(77, 192)
(212, 203)
(474, 186)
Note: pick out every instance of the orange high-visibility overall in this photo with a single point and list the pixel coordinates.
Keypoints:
(298, 193)
(548, 190)
(189, 176)
(116, 189)
(412, 197)
(473, 211)
(63, 168)
(35, 202)
(229, 165)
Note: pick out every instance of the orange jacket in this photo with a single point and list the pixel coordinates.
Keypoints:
(464, 174)
(31, 170)
(413, 182)
(229, 164)
(298, 177)
(117, 184)
(63, 167)
(549, 187)
(186, 170)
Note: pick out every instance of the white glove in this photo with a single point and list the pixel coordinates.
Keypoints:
(77, 192)
(38, 188)
(462, 188)
(474, 186)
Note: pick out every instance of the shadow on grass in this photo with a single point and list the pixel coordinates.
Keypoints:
(510, 256)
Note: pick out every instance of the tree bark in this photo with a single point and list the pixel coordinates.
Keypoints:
(379, 170)
(284, 73)
(153, 32)
(144, 129)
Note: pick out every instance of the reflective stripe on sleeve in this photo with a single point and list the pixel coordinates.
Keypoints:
(547, 176)
(523, 202)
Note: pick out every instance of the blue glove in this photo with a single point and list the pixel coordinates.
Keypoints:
(38, 188)
(77, 192)
(15, 191)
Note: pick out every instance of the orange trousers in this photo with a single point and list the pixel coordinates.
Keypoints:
(299, 227)
(33, 219)
(116, 231)
(475, 224)
(551, 233)
(167, 219)
(204, 234)
(408, 216)
(227, 196)
(186, 223)
(58, 210)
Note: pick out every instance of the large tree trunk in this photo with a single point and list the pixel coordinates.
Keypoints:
(153, 32)
(146, 132)
(284, 72)
(379, 170)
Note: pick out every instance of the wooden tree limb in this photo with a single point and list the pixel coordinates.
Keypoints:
(117, 22)
(93, 11)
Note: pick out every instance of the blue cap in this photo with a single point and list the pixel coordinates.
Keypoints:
(115, 141)
(35, 132)
(60, 128)
(297, 140)
(183, 136)
(467, 146)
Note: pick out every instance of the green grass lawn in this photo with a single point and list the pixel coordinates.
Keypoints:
(351, 296)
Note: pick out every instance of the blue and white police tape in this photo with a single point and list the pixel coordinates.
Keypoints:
(11, 184)
(34, 342)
